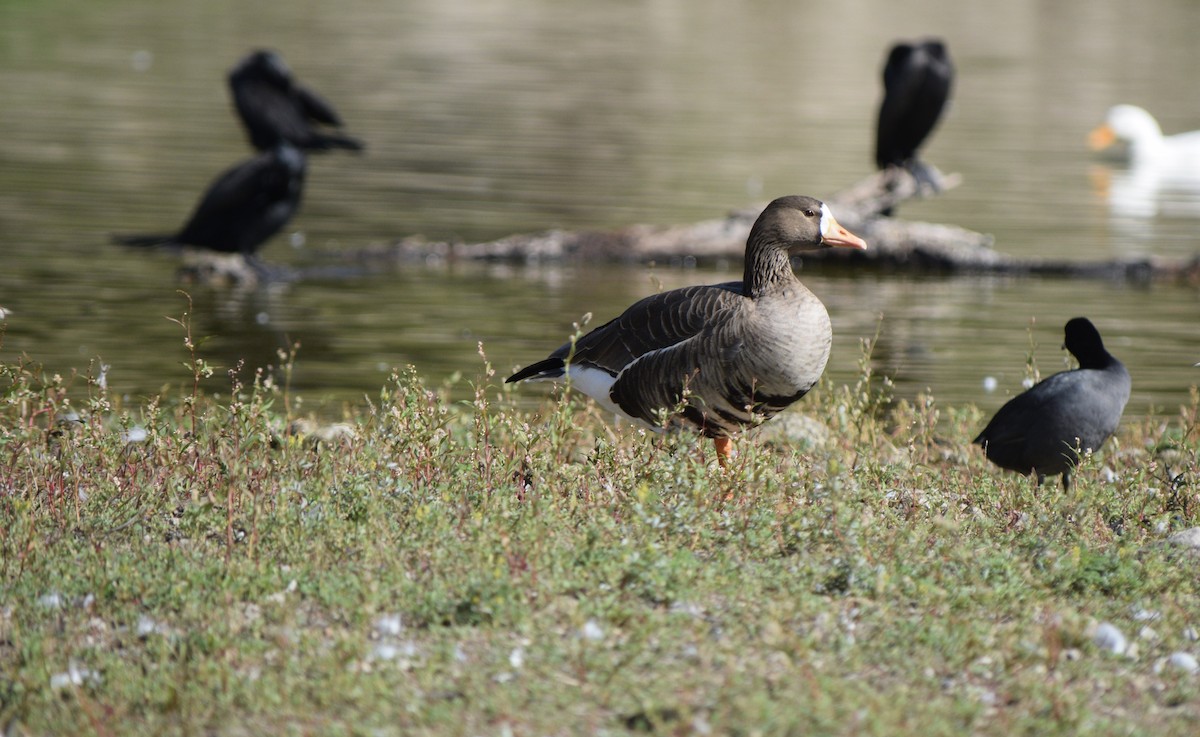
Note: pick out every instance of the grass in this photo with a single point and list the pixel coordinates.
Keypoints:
(196, 566)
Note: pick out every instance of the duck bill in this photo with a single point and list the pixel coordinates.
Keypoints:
(1102, 137)
(838, 237)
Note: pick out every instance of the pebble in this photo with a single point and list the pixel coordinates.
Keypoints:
(389, 625)
(592, 631)
(392, 651)
(796, 428)
(1185, 662)
(147, 626)
(74, 676)
(1189, 538)
(1108, 637)
(52, 600)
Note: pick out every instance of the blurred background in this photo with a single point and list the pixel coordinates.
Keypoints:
(484, 118)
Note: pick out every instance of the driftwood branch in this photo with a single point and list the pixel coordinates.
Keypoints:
(857, 208)
(895, 243)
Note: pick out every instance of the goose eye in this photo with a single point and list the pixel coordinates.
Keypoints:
(809, 214)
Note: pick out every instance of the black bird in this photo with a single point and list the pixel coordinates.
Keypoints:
(743, 351)
(1042, 430)
(916, 84)
(244, 207)
(275, 107)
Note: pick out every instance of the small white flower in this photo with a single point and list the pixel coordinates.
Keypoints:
(517, 658)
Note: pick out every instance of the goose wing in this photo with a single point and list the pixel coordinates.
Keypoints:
(655, 323)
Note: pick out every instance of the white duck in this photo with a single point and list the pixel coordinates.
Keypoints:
(1139, 130)
(1163, 171)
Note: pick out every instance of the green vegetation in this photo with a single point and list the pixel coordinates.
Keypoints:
(197, 566)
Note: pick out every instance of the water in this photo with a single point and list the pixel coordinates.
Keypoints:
(489, 117)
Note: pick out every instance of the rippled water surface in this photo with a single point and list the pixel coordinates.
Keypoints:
(485, 118)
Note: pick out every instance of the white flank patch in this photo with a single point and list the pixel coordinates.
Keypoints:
(596, 383)
(826, 219)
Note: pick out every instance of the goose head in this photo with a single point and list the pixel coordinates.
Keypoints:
(798, 223)
(790, 225)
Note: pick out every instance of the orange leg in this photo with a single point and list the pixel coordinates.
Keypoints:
(724, 450)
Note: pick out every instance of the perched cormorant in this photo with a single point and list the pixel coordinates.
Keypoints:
(244, 206)
(916, 84)
(275, 107)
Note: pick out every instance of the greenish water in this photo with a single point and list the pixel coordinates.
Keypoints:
(488, 118)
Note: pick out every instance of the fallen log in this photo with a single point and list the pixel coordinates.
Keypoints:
(895, 243)
(858, 208)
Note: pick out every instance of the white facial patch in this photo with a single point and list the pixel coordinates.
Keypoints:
(826, 219)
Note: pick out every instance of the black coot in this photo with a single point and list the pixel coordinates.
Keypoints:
(1042, 430)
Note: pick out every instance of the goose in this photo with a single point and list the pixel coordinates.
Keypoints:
(275, 107)
(917, 78)
(1148, 146)
(242, 208)
(1042, 430)
(716, 358)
